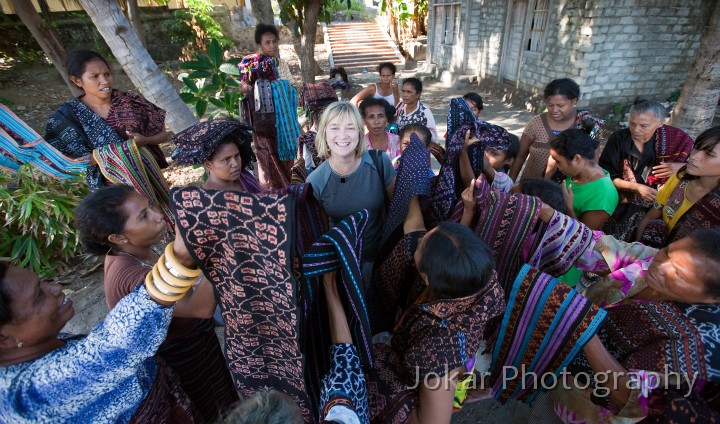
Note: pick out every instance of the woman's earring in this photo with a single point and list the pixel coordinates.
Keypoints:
(19, 344)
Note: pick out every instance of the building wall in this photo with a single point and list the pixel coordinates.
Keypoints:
(615, 49)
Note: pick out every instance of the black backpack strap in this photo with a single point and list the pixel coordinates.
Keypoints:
(376, 157)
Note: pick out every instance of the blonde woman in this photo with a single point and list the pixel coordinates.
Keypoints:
(352, 178)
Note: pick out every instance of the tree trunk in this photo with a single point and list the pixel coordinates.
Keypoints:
(262, 12)
(696, 106)
(307, 42)
(137, 63)
(46, 38)
(133, 12)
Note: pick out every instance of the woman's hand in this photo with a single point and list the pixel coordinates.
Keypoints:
(245, 87)
(468, 196)
(667, 169)
(646, 192)
(138, 138)
(470, 139)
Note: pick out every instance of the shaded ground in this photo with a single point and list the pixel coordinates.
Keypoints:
(34, 92)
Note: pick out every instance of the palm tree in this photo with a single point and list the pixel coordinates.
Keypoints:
(137, 63)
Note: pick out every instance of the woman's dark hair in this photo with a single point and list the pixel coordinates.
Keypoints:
(475, 98)
(77, 60)
(370, 101)
(550, 193)
(388, 65)
(706, 243)
(99, 215)
(513, 148)
(5, 312)
(416, 83)
(262, 29)
(424, 132)
(457, 262)
(246, 154)
(575, 142)
(339, 71)
(564, 87)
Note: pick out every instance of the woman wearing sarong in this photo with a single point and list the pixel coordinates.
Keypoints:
(690, 199)
(119, 132)
(640, 159)
(107, 376)
(446, 304)
(270, 107)
(663, 313)
(561, 97)
(223, 148)
(118, 223)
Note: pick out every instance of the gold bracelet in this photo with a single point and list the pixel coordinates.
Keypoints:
(163, 286)
(177, 266)
(170, 278)
(154, 292)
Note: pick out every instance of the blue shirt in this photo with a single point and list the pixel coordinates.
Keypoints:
(100, 378)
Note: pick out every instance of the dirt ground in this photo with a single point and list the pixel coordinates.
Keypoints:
(34, 92)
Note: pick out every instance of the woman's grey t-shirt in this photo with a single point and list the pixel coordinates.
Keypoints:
(362, 189)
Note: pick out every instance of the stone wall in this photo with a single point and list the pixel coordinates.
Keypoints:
(615, 49)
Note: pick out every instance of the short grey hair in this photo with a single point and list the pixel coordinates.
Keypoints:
(266, 407)
(656, 108)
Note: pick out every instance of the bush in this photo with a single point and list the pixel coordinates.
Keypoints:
(38, 232)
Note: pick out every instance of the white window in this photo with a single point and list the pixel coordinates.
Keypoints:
(538, 25)
(447, 18)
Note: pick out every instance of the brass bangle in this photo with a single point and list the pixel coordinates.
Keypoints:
(154, 292)
(177, 266)
(170, 278)
(163, 286)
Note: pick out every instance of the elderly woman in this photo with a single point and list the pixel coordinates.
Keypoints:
(376, 114)
(349, 169)
(119, 224)
(689, 199)
(108, 376)
(386, 89)
(561, 97)
(223, 148)
(640, 159)
(273, 113)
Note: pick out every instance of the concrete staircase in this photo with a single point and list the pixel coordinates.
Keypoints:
(360, 45)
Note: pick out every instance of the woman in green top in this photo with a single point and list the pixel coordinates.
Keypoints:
(589, 192)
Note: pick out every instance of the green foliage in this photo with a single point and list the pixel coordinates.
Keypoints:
(196, 26)
(211, 83)
(404, 9)
(674, 96)
(39, 211)
(294, 11)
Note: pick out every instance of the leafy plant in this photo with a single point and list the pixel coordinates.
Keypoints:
(196, 25)
(39, 211)
(211, 84)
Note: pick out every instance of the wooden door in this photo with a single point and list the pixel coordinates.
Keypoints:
(510, 62)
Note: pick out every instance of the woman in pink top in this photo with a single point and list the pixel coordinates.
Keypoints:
(376, 113)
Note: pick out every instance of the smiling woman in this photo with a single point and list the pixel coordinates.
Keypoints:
(42, 372)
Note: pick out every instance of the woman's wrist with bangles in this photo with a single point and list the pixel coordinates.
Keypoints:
(169, 280)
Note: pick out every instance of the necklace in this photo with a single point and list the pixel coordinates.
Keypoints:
(143, 262)
(588, 179)
(343, 177)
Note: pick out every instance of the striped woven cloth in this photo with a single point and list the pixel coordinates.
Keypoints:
(126, 163)
(288, 128)
(545, 325)
(20, 144)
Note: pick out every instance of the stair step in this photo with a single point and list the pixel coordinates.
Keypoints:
(360, 45)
